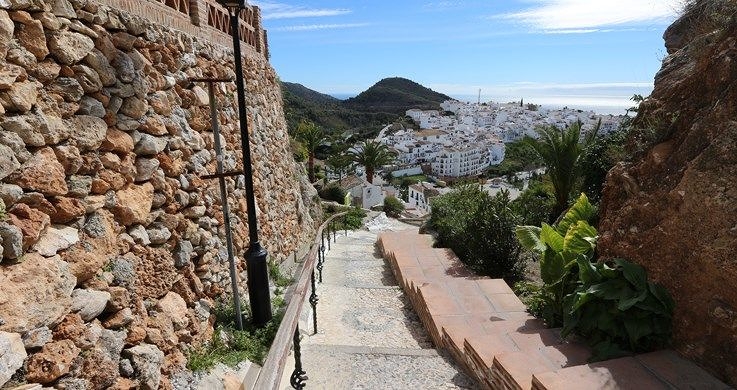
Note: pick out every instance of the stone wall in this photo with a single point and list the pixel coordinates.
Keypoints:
(112, 251)
(674, 209)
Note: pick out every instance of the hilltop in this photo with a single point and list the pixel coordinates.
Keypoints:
(384, 102)
(396, 95)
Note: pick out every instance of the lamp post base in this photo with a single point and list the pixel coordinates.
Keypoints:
(258, 284)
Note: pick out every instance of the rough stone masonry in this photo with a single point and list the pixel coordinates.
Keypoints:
(111, 248)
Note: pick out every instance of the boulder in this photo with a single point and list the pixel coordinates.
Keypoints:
(12, 238)
(20, 97)
(89, 303)
(30, 222)
(42, 173)
(37, 338)
(67, 209)
(88, 132)
(12, 355)
(133, 204)
(36, 293)
(54, 360)
(147, 361)
(95, 249)
(7, 27)
(8, 162)
(69, 47)
(31, 36)
(173, 306)
(55, 239)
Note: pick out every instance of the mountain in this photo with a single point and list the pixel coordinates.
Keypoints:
(385, 102)
(396, 95)
(302, 103)
(305, 93)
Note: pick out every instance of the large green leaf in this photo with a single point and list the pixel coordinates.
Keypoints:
(634, 273)
(552, 238)
(627, 303)
(662, 296)
(529, 238)
(582, 210)
(552, 267)
(587, 272)
(580, 238)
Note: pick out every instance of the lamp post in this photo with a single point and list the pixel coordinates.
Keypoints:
(258, 276)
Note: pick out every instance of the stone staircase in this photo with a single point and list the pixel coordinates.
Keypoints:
(486, 328)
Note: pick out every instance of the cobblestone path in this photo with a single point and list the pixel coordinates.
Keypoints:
(368, 336)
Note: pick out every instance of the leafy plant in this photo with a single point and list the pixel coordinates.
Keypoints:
(393, 206)
(276, 275)
(611, 304)
(560, 247)
(371, 155)
(617, 310)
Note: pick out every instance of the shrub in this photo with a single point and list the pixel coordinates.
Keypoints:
(609, 303)
(393, 207)
(334, 193)
(535, 205)
(351, 221)
(479, 228)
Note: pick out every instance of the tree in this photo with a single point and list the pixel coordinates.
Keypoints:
(372, 155)
(561, 150)
(311, 137)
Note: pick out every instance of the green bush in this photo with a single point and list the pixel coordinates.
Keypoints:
(479, 228)
(535, 205)
(393, 207)
(334, 193)
(351, 221)
(609, 303)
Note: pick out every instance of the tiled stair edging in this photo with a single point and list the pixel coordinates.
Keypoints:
(485, 327)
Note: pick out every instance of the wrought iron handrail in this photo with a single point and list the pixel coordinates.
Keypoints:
(272, 371)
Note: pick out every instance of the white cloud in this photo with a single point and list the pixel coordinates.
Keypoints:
(314, 27)
(272, 10)
(585, 16)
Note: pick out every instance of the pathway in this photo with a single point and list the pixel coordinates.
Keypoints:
(368, 335)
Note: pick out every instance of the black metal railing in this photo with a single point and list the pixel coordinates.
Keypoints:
(288, 333)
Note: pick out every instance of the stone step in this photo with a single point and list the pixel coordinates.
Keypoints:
(656, 370)
(514, 370)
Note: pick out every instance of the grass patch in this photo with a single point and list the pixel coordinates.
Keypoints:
(231, 346)
(279, 279)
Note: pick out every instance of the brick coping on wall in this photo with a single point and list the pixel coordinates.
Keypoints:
(204, 19)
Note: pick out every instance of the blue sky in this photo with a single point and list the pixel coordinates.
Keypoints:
(554, 52)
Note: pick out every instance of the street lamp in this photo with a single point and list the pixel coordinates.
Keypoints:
(258, 276)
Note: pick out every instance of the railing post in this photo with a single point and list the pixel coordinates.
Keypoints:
(313, 302)
(298, 378)
(320, 260)
(334, 231)
(328, 234)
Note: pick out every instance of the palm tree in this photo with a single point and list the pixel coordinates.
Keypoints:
(311, 136)
(561, 150)
(371, 154)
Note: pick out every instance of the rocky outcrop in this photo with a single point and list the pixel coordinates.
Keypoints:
(112, 238)
(674, 208)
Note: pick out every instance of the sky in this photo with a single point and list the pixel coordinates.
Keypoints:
(589, 54)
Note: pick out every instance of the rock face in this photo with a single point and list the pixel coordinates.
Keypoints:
(674, 208)
(36, 292)
(112, 238)
(12, 354)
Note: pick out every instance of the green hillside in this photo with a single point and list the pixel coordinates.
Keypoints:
(396, 95)
(385, 102)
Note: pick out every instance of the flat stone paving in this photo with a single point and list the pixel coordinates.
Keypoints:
(368, 335)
